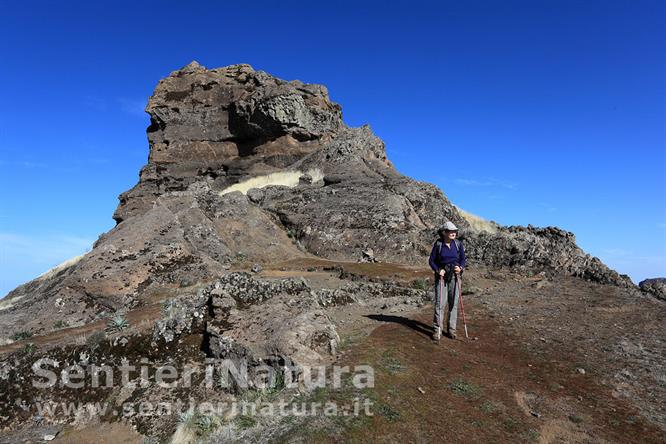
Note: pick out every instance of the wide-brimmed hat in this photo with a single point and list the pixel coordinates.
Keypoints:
(448, 226)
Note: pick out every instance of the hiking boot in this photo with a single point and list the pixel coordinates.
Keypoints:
(452, 334)
(437, 334)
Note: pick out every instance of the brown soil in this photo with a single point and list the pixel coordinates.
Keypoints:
(104, 433)
(484, 390)
(540, 365)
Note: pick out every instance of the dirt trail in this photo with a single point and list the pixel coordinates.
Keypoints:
(480, 390)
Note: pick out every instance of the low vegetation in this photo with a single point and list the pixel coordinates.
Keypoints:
(117, 323)
(21, 335)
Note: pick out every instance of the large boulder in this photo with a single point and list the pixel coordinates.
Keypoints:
(654, 286)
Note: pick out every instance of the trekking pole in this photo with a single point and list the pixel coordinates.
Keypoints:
(441, 290)
(462, 306)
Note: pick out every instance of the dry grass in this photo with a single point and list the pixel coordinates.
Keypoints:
(9, 303)
(478, 223)
(58, 268)
(282, 178)
(184, 435)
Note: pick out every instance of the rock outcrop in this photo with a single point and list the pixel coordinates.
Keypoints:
(654, 286)
(551, 250)
(245, 168)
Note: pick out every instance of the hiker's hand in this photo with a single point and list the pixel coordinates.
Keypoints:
(457, 269)
(442, 272)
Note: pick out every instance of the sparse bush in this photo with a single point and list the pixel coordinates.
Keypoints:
(117, 323)
(420, 284)
(169, 308)
(187, 418)
(95, 338)
(198, 423)
(60, 324)
(575, 419)
(249, 395)
(245, 421)
(488, 407)
(510, 424)
(29, 348)
(391, 364)
(464, 388)
(320, 394)
(533, 435)
(205, 424)
(388, 412)
(21, 335)
(277, 384)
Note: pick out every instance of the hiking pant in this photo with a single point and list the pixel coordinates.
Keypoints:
(448, 297)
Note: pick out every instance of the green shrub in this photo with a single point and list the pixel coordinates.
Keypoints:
(420, 284)
(117, 323)
(95, 338)
(464, 388)
(388, 412)
(245, 421)
(200, 424)
(510, 424)
(278, 384)
(60, 324)
(575, 419)
(488, 407)
(391, 364)
(21, 335)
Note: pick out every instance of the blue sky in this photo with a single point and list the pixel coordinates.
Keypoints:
(548, 112)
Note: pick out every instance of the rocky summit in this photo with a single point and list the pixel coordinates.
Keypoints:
(260, 228)
(246, 167)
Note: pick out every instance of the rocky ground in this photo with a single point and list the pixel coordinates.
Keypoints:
(547, 361)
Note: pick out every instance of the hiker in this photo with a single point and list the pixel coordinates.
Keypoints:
(447, 260)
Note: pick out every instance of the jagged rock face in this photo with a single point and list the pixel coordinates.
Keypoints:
(655, 286)
(221, 127)
(247, 167)
(223, 123)
(549, 249)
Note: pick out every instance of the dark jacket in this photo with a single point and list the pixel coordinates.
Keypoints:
(447, 255)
